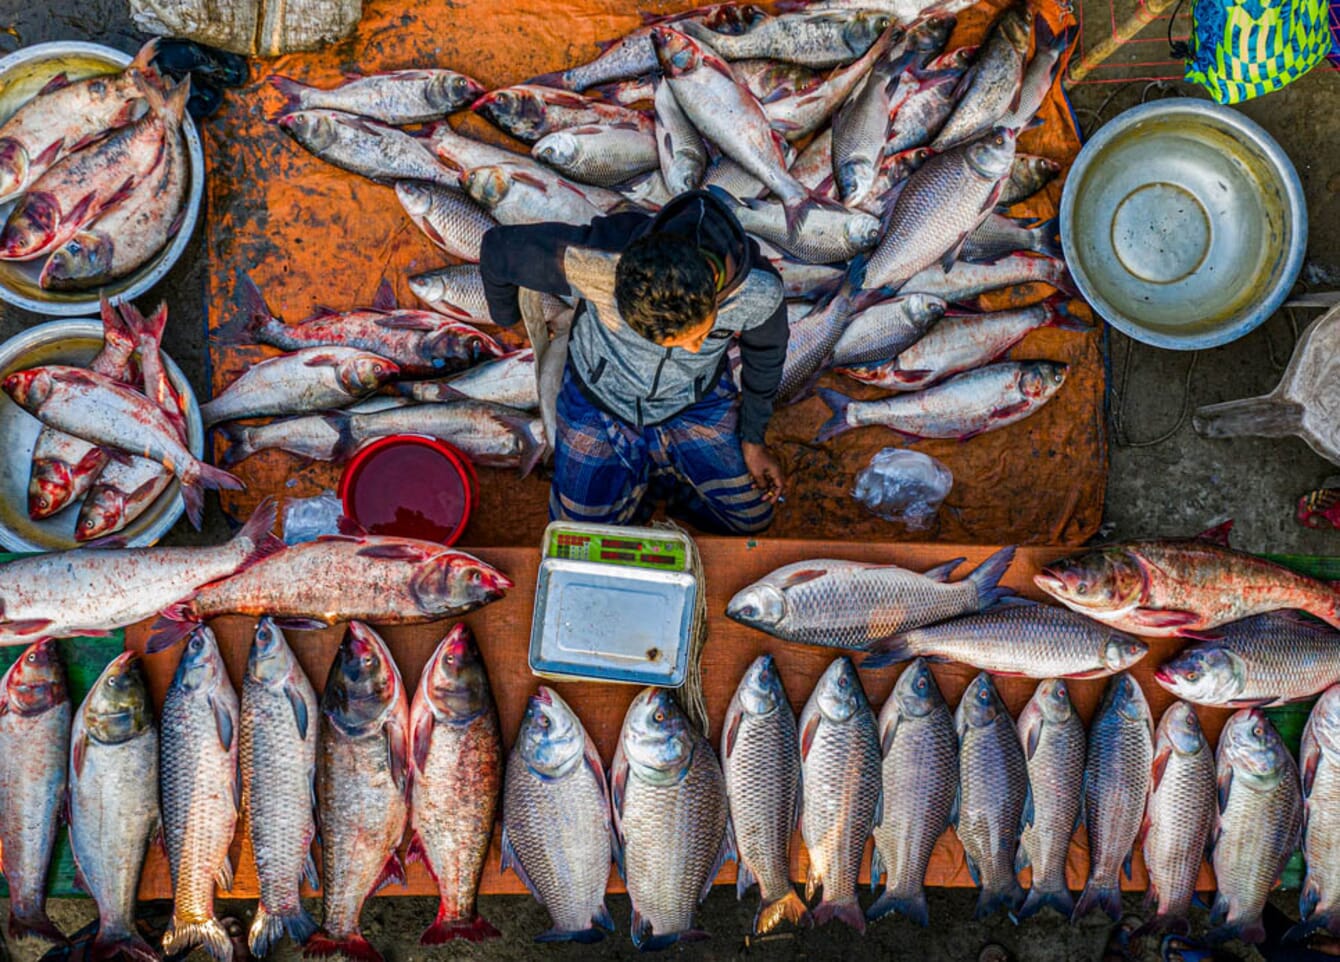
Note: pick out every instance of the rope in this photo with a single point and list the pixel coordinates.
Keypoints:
(690, 694)
(1118, 409)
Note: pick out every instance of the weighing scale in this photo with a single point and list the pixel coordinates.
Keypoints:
(615, 604)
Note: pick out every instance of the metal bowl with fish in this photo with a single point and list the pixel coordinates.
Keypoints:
(22, 75)
(73, 341)
(1184, 224)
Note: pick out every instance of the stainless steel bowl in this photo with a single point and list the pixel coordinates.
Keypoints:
(71, 341)
(22, 74)
(1183, 223)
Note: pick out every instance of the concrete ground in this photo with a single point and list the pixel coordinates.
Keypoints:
(1177, 486)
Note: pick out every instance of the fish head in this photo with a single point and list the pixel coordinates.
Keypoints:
(917, 693)
(980, 705)
(1180, 729)
(365, 372)
(559, 149)
(1324, 721)
(1252, 747)
(518, 111)
(14, 166)
(118, 707)
(270, 660)
(83, 258)
(1106, 580)
(925, 308)
(1053, 700)
(992, 155)
(864, 29)
(1042, 379)
(1124, 697)
(486, 185)
(1120, 651)
(363, 683)
(36, 682)
(31, 225)
(1207, 674)
(201, 665)
(839, 694)
(931, 34)
(454, 582)
(415, 197)
(761, 605)
(761, 691)
(455, 680)
(101, 513)
(448, 91)
(311, 128)
(861, 230)
(1016, 25)
(50, 485)
(677, 53)
(657, 739)
(551, 740)
(1043, 167)
(28, 389)
(734, 18)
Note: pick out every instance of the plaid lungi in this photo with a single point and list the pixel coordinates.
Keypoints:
(609, 472)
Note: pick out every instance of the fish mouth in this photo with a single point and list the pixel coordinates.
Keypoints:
(544, 695)
(1049, 581)
(1163, 676)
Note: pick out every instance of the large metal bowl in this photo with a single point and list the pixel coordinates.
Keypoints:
(1183, 223)
(71, 341)
(22, 74)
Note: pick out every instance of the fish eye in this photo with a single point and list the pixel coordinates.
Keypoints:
(921, 684)
(1082, 588)
(542, 720)
(366, 661)
(450, 659)
(1192, 675)
(1258, 731)
(659, 716)
(88, 523)
(32, 657)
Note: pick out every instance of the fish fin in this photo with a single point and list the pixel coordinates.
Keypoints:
(1028, 814)
(353, 948)
(847, 910)
(259, 530)
(321, 360)
(295, 623)
(1140, 837)
(217, 478)
(986, 577)
(77, 748)
(974, 872)
(392, 871)
(224, 876)
(61, 79)
(127, 946)
(1060, 316)
(532, 447)
(886, 737)
(1106, 898)
(174, 623)
(788, 908)
(1309, 758)
(1126, 865)
(837, 424)
(508, 859)
(878, 869)
(941, 572)
(744, 879)
(1060, 900)
(726, 853)
(1253, 931)
(181, 937)
(1021, 858)
(36, 927)
(384, 298)
(1218, 534)
(405, 322)
(807, 735)
(584, 936)
(803, 576)
(299, 706)
(223, 722)
(731, 733)
(1160, 766)
(421, 739)
(878, 818)
(397, 751)
(292, 91)
(310, 875)
(1009, 896)
(1224, 784)
(268, 928)
(444, 930)
(26, 626)
(1161, 617)
(396, 552)
(911, 907)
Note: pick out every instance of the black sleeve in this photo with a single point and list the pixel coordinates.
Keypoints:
(531, 256)
(762, 356)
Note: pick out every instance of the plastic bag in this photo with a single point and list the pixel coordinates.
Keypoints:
(903, 486)
(306, 519)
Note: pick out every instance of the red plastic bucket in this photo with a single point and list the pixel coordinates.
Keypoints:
(411, 486)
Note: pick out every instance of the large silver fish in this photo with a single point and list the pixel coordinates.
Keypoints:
(1018, 638)
(1179, 816)
(556, 819)
(993, 789)
(806, 110)
(365, 147)
(990, 89)
(34, 749)
(811, 345)
(842, 794)
(964, 281)
(490, 434)
(1116, 785)
(452, 222)
(680, 150)
(199, 794)
(520, 195)
(1053, 739)
(924, 112)
(277, 754)
(886, 328)
(602, 154)
(1000, 236)
(394, 97)
(310, 379)
(850, 604)
(760, 755)
(1319, 759)
(1029, 174)
(814, 40)
(823, 235)
(668, 796)
(1040, 74)
(530, 111)
(509, 380)
(920, 780)
(456, 290)
(1257, 828)
(114, 800)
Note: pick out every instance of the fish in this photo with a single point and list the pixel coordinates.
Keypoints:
(993, 791)
(1269, 659)
(114, 816)
(1317, 759)
(603, 155)
(887, 327)
(1000, 236)
(489, 434)
(374, 578)
(309, 379)
(725, 174)
(1029, 174)
(1257, 825)
(776, 79)
(927, 107)
(1117, 776)
(1017, 637)
(394, 97)
(518, 195)
(508, 381)
(822, 235)
(1053, 739)
(530, 111)
(805, 280)
(93, 591)
(727, 114)
(363, 770)
(919, 776)
(964, 281)
(851, 604)
(962, 407)
(462, 153)
(890, 175)
(449, 220)
(199, 794)
(1178, 817)
(35, 715)
(842, 790)
(804, 111)
(1040, 74)
(668, 799)
(647, 191)
(820, 40)
(556, 819)
(991, 90)
(456, 290)
(681, 153)
(315, 437)
(366, 147)
(1320, 507)
(66, 116)
(1184, 588)
(960, 343)
(277, 755)
(810, 345)
(420, 343)
(455, 782)
(939, 207)
(813, 166)
(760, 756)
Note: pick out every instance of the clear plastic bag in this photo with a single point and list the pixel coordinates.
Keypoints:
(903, 486)
(306, 519)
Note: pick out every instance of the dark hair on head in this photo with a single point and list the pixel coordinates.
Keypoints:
(664, 286)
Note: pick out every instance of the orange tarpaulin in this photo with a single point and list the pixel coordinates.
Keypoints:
(310, 234)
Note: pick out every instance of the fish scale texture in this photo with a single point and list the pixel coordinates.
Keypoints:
(1321, 839)
(1181, 814)
(1116, 786)
(993, 780)
(1055, 774)
(763, 782)
(1255, 834)
(32, 781)
(841, 792)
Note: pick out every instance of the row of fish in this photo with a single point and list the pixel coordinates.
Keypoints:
(99, 171)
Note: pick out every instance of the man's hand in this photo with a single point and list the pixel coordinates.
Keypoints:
(765, 469)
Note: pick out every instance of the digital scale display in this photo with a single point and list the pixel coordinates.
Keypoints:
(655, 553)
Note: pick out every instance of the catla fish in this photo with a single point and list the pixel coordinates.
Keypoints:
(509, 381)
(114, 801)
(1179, 816)
(311, 379)
(824, 235)
(965, 281)
(920, 780)
(850, 604)
(1029, 174)
(366, 147)
(1040, 74)
(760, 756)
(517, 195)
(362, 774)
(603, 155)
(393, 97)
(199, 794)
(1116, 785)
(1319, 759)
(529, 111)
(993, 790)
(556, 819)
(457, 290)
(820, 40)
(450, 221)
(842, 790)
(681, 153)
(277, 753)
(887, 327)
(34, 745)
(668, 798)
(1053, 739)
(455, 782)
(990, 91)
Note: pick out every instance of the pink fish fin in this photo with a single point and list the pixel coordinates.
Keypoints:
(26, 626)
(1218, 534)
(1224, 784)
(406, 322)
(384, 299)
(194, 499)
(300, 623)
(398, 552)
(731, 734)
(292, 91)
(354, 948)
(350, 528)
(322, 311)
(322, 360)
(224, 876)
(564, 98)
(1001, 413)
(618, 783)
(803, 576)
(422, 738)
(114, 454)
(397, 752)
(74, 375)
(443, 929)
(77, 748)
(212, 477)
(175, 622)
(807, 735)
(57, 82)
(941, 572)
(392, 872)
(417, 852)
(259, 531)
(524, 177)
(117, 196)
(109, 541)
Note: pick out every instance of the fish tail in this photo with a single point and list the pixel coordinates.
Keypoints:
(1063, 281)
(986, 577)
(254, 315)
(1038, 899)
(1315, 923)
(208, 476)
(193, 496)
(1046, 238)
(1061, 317)
(269, 927)
(585, 936)
(1253, 931)
(1008, 896)
(911, 907)
(346, 443)
(888, 651)
(788, 908)
(238, 439)
(181, 937)
(837, 424)
(532, 447)
(1163, 923)
(36, 926)
(259, 532)
(848, 910)
(445, 929)
(108, 944)
(1104, 897)
(354, 948)
(292, 91)
(174, 623)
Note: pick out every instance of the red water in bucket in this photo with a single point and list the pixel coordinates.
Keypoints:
(410, 486)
